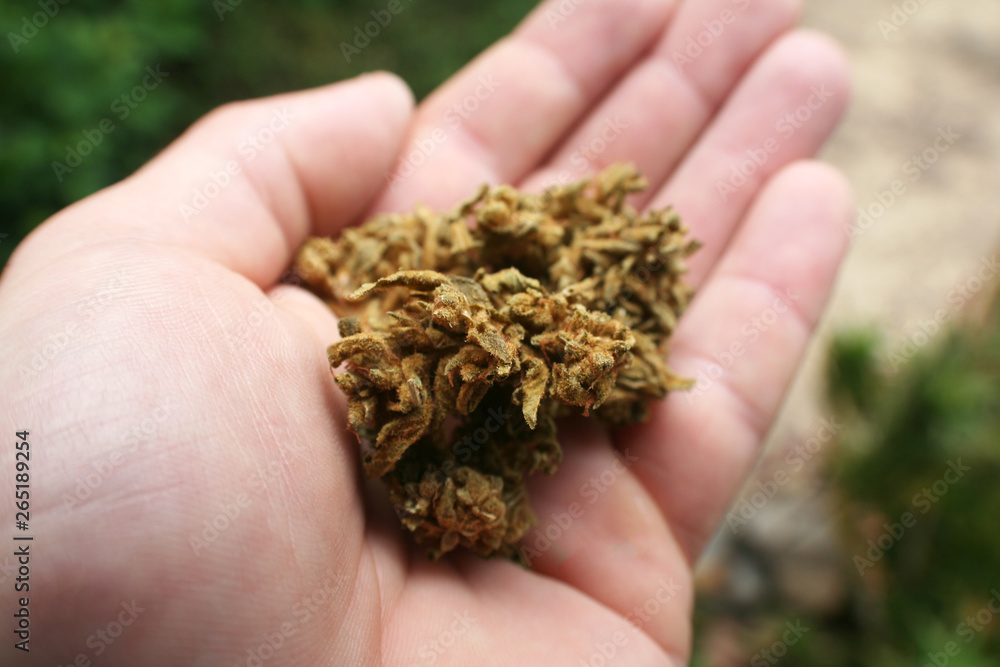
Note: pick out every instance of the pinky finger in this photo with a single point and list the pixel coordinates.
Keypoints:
(743, 339)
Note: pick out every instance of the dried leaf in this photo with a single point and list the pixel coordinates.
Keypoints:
(465, 334)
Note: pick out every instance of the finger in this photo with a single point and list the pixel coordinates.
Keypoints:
(498, 117)
(611, 521)
(247, 183)
(655, 114)
(600, 531)
(784, 110)
(742, 340)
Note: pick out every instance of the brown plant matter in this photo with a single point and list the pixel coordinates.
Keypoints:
(466, 334)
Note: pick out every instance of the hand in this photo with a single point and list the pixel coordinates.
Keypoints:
(195, 497)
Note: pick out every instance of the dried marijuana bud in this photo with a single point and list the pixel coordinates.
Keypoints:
(466, 334)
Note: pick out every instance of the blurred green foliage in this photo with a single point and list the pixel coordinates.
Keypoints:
(916, 473)
(924, 442)
(64, 68)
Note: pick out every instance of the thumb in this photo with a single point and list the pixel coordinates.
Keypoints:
(246, 184)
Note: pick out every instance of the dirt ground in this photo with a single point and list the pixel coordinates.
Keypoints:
(936, 72)
(925, 119)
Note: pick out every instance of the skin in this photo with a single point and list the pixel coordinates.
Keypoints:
(174, 385)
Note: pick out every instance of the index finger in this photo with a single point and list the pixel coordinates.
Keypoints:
(498, 117)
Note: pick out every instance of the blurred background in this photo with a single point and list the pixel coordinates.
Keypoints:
(870, 533)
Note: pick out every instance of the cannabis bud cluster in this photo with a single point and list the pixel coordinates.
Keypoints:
(465, 335)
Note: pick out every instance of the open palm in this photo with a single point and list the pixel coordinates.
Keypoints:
(196, 499)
